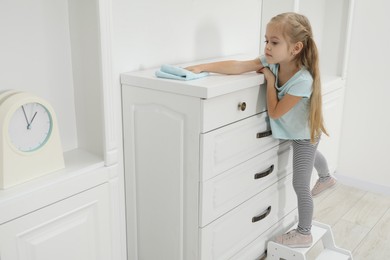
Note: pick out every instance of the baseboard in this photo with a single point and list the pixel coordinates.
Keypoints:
(363, 185)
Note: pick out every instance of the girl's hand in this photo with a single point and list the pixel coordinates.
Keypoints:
(269, 76)
(195, 69)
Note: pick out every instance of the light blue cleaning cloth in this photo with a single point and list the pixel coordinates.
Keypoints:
(173, 72)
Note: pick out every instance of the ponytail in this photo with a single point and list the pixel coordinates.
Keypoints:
(310, 60)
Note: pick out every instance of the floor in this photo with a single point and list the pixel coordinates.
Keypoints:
(360, 221)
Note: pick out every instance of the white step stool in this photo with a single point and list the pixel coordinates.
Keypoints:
(319, 231)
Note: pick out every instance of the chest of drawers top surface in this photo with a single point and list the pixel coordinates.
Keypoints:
(211, 86)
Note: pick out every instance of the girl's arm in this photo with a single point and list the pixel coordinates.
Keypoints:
(228, 66)
(277, 108)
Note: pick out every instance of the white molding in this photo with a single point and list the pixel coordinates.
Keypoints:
(296, 5)
(118, 216)
(347, 43)
(110, 94)
(363, 185)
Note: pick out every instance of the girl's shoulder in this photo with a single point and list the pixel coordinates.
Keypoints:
(304, 75)
(300, 84)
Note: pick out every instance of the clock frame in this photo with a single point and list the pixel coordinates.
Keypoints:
(16, 165)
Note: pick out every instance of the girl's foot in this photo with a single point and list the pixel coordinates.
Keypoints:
(294, 239)
(320, 186)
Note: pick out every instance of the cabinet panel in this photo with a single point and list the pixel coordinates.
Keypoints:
(225, 191)
(232, 107)
(76, 228)
(333, 111)
(229, 234)
(228, 146)
(160, 170)
(162, 173)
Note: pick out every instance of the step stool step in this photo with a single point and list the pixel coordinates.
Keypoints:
(328, 254)
(319, 232)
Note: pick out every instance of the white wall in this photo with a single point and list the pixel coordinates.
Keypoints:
(35, 56)
(365, 141)
(148, 33)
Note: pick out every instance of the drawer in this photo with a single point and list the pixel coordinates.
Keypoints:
(228, 190)
(230, 233)
(229, 108)
(256, 249)
(233, 144)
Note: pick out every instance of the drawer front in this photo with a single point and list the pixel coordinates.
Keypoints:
(225, 191)
(256, 249)
(233, 144)
(230, 233)
(229, 108)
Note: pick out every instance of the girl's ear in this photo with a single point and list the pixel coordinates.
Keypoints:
(298, 47)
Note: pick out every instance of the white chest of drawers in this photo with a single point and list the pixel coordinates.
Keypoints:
(204, 177)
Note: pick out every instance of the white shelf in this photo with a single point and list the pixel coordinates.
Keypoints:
(331, 83)
(83, 171)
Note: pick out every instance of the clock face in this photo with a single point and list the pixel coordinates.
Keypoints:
(30, 127)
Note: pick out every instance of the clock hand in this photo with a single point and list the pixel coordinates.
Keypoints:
(25, 116)
(33, 118)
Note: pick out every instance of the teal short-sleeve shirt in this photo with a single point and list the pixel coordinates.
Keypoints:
(295, 123)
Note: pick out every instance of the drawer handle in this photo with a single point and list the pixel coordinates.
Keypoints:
(264, 173)
(262, 216)
(242, 106)
(264, 134)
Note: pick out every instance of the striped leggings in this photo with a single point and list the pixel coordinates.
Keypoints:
(305, 157)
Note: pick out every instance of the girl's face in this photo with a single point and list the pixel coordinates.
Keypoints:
(277, 48)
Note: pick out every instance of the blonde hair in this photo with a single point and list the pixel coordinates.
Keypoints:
(297, 28)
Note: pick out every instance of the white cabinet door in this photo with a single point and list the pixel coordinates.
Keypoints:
(333, 111)
(161, 153)
(76, 228)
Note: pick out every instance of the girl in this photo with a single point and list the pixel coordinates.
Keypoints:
(290, 67)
